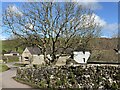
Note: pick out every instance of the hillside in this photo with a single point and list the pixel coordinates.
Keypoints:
(98, 43)
(102, 48)
(10, 45)
(104, 43)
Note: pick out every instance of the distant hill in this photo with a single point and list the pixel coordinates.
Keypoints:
(104, 43)
(98, 43)
(102, 48)
(11, 44)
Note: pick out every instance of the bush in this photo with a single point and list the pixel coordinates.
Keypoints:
(114, 86)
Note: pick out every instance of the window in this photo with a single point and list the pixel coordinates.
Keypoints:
(26, 58)
(83, 52)
(83, 59)
(14, 54)
(72, 56)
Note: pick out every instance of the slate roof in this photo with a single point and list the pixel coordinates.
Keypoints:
(10, 51)
(34, 50)
(82, 49)
(66, 51)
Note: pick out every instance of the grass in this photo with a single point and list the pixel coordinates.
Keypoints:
(20, 65)
(11, 44)
(3, 67)
(11, 58)
(25, 82)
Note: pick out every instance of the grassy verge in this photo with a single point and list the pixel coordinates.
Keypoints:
(3, 67)
(25, 82)
(13, 59)
(20, 65)
(10, 58)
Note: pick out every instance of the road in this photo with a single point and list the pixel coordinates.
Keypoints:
(7, 80)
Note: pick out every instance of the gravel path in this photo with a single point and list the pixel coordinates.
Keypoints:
(7, 80)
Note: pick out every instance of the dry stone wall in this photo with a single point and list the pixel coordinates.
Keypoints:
(87, 77)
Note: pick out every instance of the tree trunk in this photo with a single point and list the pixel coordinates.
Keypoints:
(45, 55)
(53, 54)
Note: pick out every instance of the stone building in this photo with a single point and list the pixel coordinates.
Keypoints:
(32, 55)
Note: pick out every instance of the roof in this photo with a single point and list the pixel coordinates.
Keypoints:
(69, 50)
(10, 51)
(65, 51)
(82, 49)
(60, 51)
(34, 50)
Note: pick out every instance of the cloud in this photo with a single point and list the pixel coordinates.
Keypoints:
(111, 27)
(98, 20)
(107, 29)
(92, 20)
(3, 37)
(13, 10)
(90, 4)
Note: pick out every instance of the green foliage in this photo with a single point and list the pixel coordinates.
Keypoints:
(42, 84)
(4, 51)
(11, 44)
(58, 82)
(20, 64)
(114, 86)
(3, 67)
(12, 58)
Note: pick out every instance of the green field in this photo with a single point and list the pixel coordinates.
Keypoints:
(11, 44)
(10, 58)
(3, 67)
(13, 59)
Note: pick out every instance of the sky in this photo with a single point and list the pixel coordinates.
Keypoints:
(109, 14)
(106, 13)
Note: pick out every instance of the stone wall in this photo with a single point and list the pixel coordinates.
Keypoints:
(87, 77)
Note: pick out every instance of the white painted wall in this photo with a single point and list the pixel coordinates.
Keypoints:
(26, 53)
(119, 52)
(8, 54)
(11, 54)
(80, 56)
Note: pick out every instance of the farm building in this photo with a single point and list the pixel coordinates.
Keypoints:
(11, 53)
(32, 55)
(81, 56)
(78, 56)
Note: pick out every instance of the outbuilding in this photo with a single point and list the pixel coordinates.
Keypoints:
(32, 55)
(81, 56)
(11, 53)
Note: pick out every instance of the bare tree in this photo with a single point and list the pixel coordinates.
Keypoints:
(52, 25)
